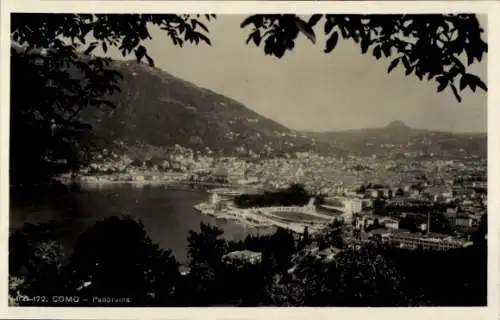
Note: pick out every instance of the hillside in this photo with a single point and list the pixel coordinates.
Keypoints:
(397, 139)
(156, 109)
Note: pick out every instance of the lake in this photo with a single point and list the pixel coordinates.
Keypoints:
(167, 214)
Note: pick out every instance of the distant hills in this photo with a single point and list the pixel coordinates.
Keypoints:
(156, 109)
(398, 138)
(397, 124)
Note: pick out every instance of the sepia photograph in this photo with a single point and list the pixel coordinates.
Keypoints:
(248, 160)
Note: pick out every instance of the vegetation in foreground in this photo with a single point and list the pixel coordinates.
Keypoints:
(116, 258)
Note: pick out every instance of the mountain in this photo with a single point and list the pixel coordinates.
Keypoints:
(397, 124)
(398, 139)
(157, 110)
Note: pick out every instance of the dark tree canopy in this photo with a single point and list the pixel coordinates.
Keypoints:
(427, 45)
(52, 60)
(116, 257)
(430, 47)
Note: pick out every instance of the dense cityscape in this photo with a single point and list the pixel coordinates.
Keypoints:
(443, 199)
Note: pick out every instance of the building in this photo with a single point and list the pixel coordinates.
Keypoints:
(425, 241)
(389, 223)
(221, 174)
(464, 221)
(351, 207)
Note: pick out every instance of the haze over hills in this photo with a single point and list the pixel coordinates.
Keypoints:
(156, 109)
(398, 137)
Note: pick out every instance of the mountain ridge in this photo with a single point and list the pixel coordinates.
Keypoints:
(399, 138)
(388, 126)
(156, 110)
(159, 109)
(397, 124)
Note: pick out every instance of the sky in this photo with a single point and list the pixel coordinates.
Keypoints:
(310, 90)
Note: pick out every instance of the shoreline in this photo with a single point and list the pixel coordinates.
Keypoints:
(232, 218)
(249, 218)
(168, 185)
(161, 233)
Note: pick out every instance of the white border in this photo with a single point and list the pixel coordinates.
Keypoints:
(245, 7)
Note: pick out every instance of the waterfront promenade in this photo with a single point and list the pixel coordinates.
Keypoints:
(169, 183)
(270, 216)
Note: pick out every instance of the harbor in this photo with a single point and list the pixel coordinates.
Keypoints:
(295, 218)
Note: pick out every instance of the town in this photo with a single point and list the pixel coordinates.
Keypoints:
(406, 202)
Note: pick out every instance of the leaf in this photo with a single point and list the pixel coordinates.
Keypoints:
(210, 16)
(472, 86)
(409, 70)
(249, 20)
(90, 48)
(82, 39)
(269, 46)
(463, 82)
(256, 37)
(250, 37)
(377, 52)
(329, 25)
(331, 43)
(419, 73)
(394, 64)
(104, 47)
(470, 58)
(140, 52)
(150, 60)
(406, 63)
(455, 92)
(387, 49)
(442, 86)
(314, 19)
(473, 79)
(205, 38)
(364, 45)
(431, 74)
(306, 29)
(201, 25)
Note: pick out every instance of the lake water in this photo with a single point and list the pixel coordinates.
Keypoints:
(167, 215)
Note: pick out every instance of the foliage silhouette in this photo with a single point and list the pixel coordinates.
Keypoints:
(118, 259)
(367, 279)
(51, 58)
(115, 257)
(35, 260)
(206, 249)
(295, 195)
(206, 246)
(429, 46)
(460, 273)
